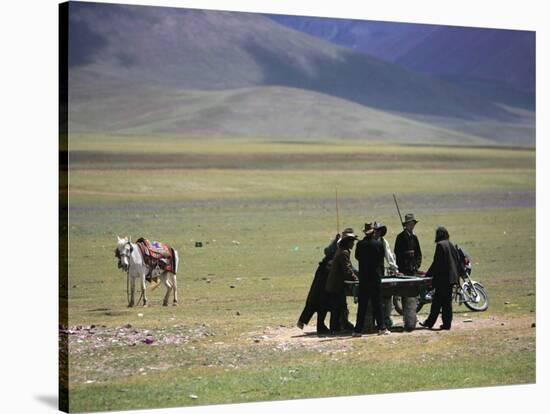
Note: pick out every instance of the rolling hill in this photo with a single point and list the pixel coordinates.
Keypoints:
(270, 111)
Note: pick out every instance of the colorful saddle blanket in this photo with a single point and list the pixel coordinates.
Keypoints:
(157, 253)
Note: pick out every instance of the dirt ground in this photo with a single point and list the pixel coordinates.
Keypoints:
(281, 337)
(289, 338)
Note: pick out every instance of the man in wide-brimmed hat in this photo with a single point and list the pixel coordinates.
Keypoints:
(407, 247)
(370, 254)
(317, 300)
(340, 271)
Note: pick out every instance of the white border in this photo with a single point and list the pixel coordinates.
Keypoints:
(28, 335)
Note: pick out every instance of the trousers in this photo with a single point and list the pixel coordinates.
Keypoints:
(337, 303)
(441, 302)
(310, 309)
(372, 293)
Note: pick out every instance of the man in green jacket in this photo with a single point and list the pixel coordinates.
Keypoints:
(317, 297)
(340, 271)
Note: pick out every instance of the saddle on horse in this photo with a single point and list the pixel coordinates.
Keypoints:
(157, 254)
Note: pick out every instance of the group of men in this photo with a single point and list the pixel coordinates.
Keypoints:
(327, 292)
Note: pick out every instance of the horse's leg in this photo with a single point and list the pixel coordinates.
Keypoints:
(132, 290)
(175, 287)
(166, 283)
(143, 292)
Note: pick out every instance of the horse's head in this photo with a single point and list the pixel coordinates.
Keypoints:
(123, 252)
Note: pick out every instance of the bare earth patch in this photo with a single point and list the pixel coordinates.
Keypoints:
(282, 338)
(285, 338)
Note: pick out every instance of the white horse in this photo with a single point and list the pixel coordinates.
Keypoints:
(132, 262)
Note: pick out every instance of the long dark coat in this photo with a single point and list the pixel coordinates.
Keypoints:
(444, 273)
(318, 286)
(444, 269)
(321, 274)
(407, 252)
(317, 300)
(370, 254)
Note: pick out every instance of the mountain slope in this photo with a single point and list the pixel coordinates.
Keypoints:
(496, 55)
(208, 50)
(385, 40)
(506, 56)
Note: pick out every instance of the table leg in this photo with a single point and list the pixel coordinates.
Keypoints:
(409, 312)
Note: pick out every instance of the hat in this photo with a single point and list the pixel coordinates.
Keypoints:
(347, 234)
(409, 217)
(380, 228)
(368, 229)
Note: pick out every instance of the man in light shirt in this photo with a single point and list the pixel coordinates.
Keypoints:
(380, 232)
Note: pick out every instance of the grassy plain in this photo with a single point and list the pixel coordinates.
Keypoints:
(264, 210)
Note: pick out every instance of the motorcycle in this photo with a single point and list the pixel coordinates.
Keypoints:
(468, 292)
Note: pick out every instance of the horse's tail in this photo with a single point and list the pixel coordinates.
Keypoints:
(176, 261)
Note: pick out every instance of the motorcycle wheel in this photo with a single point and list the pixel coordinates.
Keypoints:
(476, 298)
(399, 307)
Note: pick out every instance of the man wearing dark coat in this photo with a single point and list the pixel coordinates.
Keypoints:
(317, 300)
(444, 271)
(340, 271)
(407, 248)
(370, 252)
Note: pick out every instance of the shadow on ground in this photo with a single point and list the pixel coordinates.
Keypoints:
(51, 401)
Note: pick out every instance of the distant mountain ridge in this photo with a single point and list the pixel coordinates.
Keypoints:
(497, 55)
